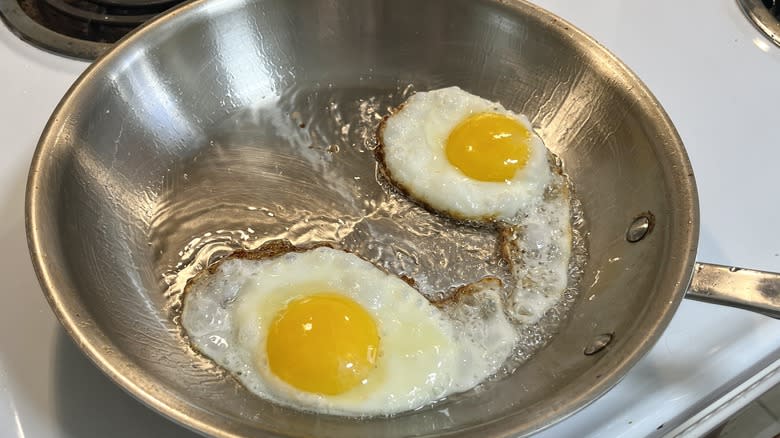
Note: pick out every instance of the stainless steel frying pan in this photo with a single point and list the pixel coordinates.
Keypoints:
(228, 122)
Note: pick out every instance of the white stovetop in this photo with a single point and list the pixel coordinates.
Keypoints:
(716, 76)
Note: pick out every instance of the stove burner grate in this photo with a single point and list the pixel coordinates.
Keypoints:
(765, 15)
(773, 6)
(78, 28)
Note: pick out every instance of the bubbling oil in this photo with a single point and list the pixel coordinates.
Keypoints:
(300, 167)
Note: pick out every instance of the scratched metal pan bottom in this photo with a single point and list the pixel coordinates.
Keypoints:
(234, 120)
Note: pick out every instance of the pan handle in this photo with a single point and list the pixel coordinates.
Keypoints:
(736, 287)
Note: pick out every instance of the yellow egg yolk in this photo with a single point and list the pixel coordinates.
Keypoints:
(489, 147)
(324, 343)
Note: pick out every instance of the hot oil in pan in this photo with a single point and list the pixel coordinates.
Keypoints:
(301, 167)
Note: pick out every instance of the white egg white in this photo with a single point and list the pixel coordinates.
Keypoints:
(413, 144)
(533, 208)
(538, 245)
(425, 354)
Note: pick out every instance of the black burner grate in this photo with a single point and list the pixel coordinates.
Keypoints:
(79, 28)
(765, 15)
(773, 7)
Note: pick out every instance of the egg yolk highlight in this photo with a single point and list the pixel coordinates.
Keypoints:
(324, 343)
(489, 147)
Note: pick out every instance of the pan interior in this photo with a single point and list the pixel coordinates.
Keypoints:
(221, 122)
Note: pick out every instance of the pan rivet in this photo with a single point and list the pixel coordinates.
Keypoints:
(640, 227)
(598, 344)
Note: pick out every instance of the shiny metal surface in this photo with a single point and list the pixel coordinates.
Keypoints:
(219, 118)
(640, 227)
(762, 18)
(737, 287)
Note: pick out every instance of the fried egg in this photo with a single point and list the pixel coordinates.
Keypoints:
(464, 156)
(326, 331)
(470, 158)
